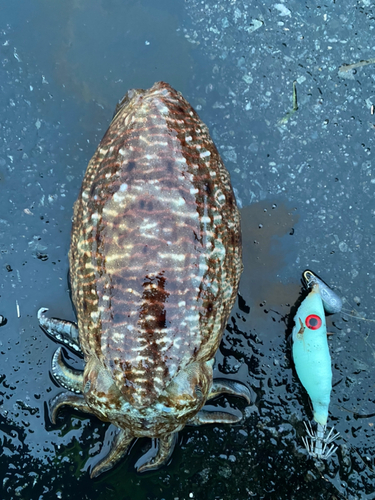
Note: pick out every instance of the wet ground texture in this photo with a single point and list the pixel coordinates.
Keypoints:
(304, 179)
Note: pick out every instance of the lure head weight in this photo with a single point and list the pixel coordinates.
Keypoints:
(332, 303)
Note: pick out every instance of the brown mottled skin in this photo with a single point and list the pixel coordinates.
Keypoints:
(155, 263)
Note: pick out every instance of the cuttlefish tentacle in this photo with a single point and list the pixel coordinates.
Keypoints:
(67, 377)
(223, 386)
(166, 446)
(64, 332)
(119, 447)
(214, 417)
(76, 401)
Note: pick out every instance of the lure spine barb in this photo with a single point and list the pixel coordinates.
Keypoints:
(317, 445)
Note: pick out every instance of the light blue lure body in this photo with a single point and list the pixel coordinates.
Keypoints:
(311, 353)
(313, 361)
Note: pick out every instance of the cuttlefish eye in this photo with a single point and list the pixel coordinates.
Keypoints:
(313, 322)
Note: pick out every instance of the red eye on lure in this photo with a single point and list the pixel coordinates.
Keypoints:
(313, 322)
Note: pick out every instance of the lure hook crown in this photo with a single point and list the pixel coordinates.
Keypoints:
(317, 445)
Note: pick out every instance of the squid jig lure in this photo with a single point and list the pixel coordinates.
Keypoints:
(313, 362)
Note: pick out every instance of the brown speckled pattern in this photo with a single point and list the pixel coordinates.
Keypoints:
(155, 257)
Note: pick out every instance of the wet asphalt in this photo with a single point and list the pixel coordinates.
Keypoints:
(304, 180)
